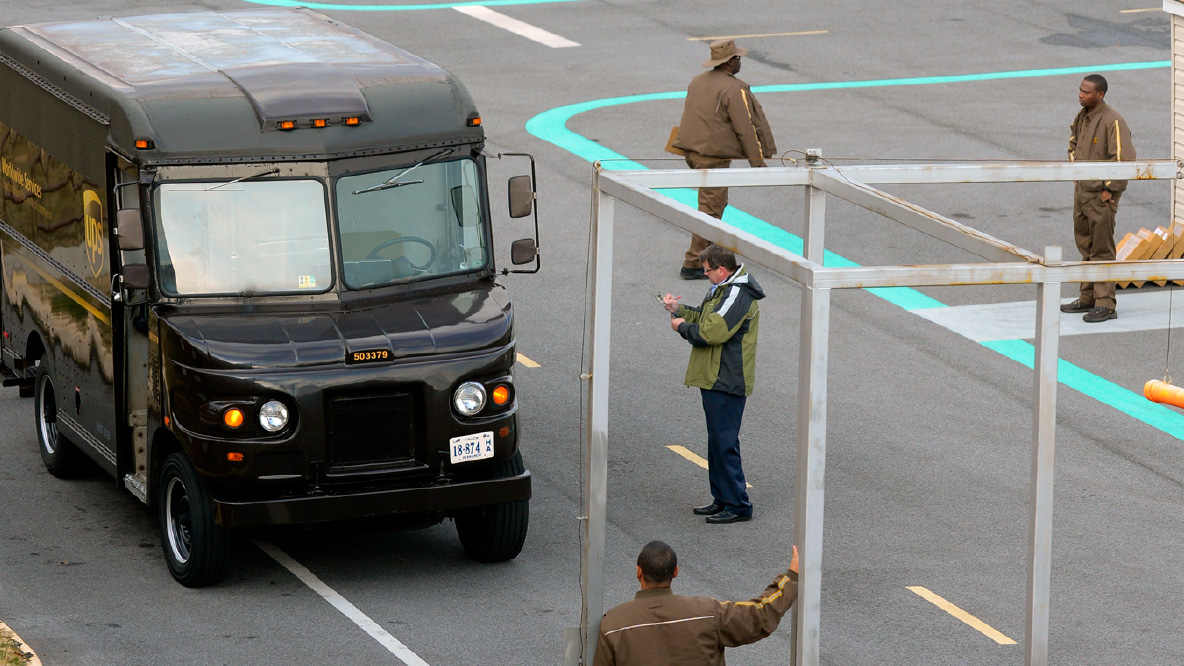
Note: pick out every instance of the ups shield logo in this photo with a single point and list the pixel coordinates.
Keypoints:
(92, 219)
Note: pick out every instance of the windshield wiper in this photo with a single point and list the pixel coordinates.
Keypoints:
(393, 181)
(239, 180)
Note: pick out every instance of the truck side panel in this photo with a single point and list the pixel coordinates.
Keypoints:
(55, 254)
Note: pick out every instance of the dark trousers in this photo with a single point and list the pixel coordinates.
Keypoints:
(724, 413)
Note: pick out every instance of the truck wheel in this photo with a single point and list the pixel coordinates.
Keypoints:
(195, 547)
(58, 454)
(496, 532)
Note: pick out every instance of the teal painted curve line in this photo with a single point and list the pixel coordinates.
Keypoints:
(551, 126)
(1129, 402)
(336, 6)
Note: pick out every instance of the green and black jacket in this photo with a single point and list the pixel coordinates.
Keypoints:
(722, 332)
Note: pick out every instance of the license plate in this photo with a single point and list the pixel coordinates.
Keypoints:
(471, 447)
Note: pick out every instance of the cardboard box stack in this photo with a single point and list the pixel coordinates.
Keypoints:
(1163, 243)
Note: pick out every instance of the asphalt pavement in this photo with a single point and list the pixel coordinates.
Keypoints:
(929, 430)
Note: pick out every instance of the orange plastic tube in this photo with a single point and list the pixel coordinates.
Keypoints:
(1163, 392)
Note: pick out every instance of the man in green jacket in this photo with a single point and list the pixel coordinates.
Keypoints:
(1098, 134)
(722, 332)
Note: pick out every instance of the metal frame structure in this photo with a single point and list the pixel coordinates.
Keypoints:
(1005, 264)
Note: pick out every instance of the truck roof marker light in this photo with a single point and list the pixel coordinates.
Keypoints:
(474, 121)
(145, 144)
(234, 456)
(352, 121)
(501, 395)
(320, 122)
(286, 125)
(233, 417)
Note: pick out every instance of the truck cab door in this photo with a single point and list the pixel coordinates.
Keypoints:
(130, 315)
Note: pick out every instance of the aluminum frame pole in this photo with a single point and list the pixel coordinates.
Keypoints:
(1048, 328)
(811, 458)
(596, 435)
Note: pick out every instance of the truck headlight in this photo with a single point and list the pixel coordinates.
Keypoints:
(273, 416)
(469, 398)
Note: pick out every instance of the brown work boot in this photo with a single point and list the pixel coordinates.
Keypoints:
(1077, 306)
(1099, 314)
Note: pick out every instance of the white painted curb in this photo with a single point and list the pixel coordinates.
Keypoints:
(24, 647)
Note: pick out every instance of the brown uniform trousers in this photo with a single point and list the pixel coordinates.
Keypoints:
(1093, 228)
(660, 628)
(721, 121)
(1099, 134)
(712, 200)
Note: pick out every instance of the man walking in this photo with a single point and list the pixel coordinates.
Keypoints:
(659, 627)
(721, 121)
(1098, 134)
(722, 332)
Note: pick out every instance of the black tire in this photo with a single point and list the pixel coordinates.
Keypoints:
(195, 547)
(58, 454)
(496, 532)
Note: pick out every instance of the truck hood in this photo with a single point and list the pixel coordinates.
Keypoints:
(440, 324)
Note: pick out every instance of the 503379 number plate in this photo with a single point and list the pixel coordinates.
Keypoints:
(368, 356)
(471, 447)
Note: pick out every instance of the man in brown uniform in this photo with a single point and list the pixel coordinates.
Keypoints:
(1098, 134)
(659, 627)
(721, 121)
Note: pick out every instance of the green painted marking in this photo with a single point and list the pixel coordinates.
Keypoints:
(551, 126)
(397, 8)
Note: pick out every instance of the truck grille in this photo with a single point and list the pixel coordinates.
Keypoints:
(371, 429)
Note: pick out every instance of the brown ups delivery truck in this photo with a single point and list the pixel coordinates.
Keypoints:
(248, 269)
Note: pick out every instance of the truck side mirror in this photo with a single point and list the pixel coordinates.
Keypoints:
(130, 229)
(523, 251)
(135, 276)
(521, 196)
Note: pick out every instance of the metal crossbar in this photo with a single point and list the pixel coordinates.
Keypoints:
(1006, 264)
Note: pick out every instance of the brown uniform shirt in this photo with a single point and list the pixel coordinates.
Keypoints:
(661, 628)
(1100, 135)
(721, 118)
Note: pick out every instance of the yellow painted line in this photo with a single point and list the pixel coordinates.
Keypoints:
(767, 34)
(1136, 11)
(68, 292)
(682, 451)
(6, 632)
(973, 621)
(527, 362)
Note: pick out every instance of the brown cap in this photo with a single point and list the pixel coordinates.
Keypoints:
(723, 50)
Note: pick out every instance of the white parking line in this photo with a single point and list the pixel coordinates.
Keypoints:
(515, 26)
(392, 644)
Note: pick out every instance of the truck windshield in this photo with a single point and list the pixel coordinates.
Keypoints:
(409, 223)
(243, 237)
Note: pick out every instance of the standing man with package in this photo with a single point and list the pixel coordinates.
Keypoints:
(721, 121)
(722, 332)
(1098, 134)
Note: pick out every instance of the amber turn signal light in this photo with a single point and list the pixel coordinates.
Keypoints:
(234, 456)
(474, 121)
(233, 418)
(144, 144)
(501, 394)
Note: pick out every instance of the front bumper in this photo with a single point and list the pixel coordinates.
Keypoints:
(371, 504)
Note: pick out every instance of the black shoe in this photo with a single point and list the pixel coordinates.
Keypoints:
(1076, 306)
(1099, 314)
(709, 510)
(726, 516)
(692, 273)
